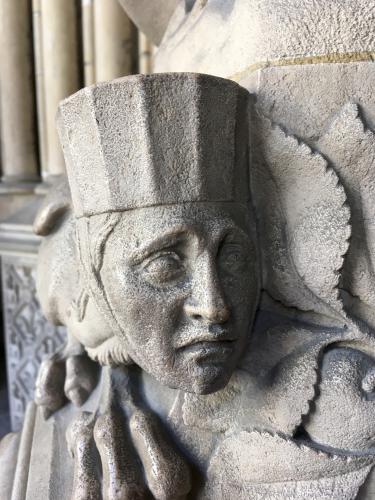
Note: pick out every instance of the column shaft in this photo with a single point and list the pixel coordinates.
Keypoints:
(60, 68)
(18, 124)
(88, 41)
(145, 53)
(39, 84)
(115, 41)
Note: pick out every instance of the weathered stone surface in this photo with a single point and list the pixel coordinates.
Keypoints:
(350, 147)
(172, 159)
(8, 459)
(307, 110)
(215, 190)
(193, 267)
(304, 234)
(346, 391)
(235, 471)
(68, 374)
(156, 266)
(166, 267)
(226, 38)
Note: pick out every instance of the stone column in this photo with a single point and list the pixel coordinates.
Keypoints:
(145, 54)
(18, 131)
(39, 83)
(115, 41)
(61, 72)
(88, 41)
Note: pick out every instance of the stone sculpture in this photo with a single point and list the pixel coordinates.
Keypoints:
(189, 218)
(69, 372)
(279, 401)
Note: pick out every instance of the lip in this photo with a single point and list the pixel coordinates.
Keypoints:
(212, 336)
(206, 349)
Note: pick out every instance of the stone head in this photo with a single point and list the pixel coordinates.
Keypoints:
(158, 170)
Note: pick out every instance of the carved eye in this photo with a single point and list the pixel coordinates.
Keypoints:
(232, 258)
(163, 268)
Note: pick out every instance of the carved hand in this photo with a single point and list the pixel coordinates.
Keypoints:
(67, 375)
(136, 458)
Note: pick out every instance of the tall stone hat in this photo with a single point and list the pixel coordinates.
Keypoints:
(147, 140)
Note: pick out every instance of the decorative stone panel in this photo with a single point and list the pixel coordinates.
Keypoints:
(29, 336)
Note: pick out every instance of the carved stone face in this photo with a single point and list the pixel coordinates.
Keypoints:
(182, 281)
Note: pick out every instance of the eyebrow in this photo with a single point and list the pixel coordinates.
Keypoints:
(167, 240)
(176, 235)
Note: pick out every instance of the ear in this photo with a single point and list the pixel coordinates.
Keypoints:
(151, 18)
(79, 304)
(56, 204)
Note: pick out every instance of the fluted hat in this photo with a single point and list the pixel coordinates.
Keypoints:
(148, 140)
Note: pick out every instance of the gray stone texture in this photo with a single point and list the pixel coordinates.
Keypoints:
(225, 38)
(172, 159)
(233, 320)
(230, 400)
(29, 337)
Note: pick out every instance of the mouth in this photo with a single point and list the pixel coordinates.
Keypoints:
(212, 343)
(214, 334)
(218, 349)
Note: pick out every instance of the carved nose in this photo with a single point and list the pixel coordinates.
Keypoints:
(207, 301)
(213, 313)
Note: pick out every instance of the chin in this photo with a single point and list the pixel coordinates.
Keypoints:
(210, 379)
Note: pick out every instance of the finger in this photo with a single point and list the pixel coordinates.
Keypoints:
(81, 378)
(122, 477)
(167, 474)
(49, 386)
(79, 436)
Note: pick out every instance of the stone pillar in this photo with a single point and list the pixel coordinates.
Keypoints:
(115, 41)
(39, 83)
(18, 131)
(88, 41)
(145, 54)
(61, 71)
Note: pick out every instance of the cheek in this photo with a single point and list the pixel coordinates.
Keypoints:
(145, 313)
(242, 291)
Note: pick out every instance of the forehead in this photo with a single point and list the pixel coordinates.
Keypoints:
(210, 219)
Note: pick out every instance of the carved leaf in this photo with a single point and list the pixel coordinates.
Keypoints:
(241, 465)
(351, 149)
(304, 221)
(272, 389)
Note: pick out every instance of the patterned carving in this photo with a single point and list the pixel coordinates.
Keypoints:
(29, 336)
